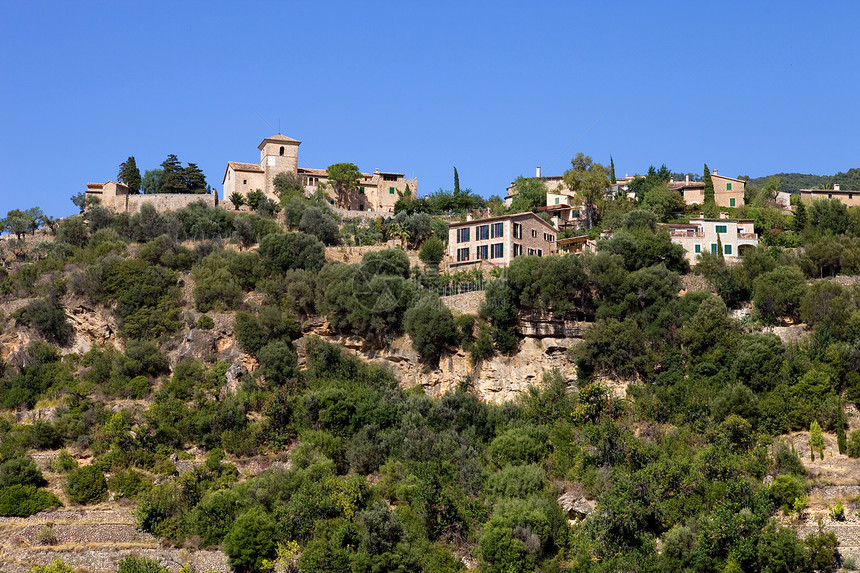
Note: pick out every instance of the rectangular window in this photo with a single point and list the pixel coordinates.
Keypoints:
(391, 190)
(731, 202)
(361, 190)
(462, 255)
(556, 200)
(497, 251)
(497, 230)
(518, 231)
(361, 207)
(830, 195)
(518, 249)
(540, 252)
(851, 195)
(727, 249)
(714, 250)
(244, 181)
(721, 229)
(389, 177)
(698, 249)
(482, 232)
(534, 234)
(481, 252)
(548, 237)
(463, 235)
(728, 186)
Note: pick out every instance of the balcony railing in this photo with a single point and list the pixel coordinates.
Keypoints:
(747, 236)
(675, 233)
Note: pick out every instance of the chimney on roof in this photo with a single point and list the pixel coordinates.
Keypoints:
(836, 186)
(715, 171)
(468, 216)
(687, 178)
(537, 171)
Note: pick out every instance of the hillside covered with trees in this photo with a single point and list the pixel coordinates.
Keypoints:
(693, 468)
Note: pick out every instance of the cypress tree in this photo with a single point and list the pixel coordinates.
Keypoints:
(709, 208)
(799, 217)
(612, 178)
(456, 182)
(129, 174)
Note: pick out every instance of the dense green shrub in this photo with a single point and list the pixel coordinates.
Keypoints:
(282, 252)
(48, 318)
(128, 484)
(86, 485)
(431, 326)
(250, 541)
(778, 293)
(25, 500)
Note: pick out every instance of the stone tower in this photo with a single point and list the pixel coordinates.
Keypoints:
(278, 154)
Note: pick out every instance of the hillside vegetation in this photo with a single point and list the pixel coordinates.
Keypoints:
(691, 470)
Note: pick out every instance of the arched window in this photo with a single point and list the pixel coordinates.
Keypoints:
(282, 150)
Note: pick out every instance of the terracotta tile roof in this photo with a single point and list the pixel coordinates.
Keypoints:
(245, 166)
(278, 139)
(310, 171)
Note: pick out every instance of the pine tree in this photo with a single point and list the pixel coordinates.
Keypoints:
(129, 174)
(612, 178)
(173, 178)
(456, 183)
(709, 208)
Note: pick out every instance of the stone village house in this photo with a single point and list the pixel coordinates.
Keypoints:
(378, 191)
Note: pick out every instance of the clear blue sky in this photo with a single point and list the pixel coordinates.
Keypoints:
(493, 88)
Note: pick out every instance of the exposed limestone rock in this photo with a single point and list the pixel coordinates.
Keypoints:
(575, 503)
(233, 375)
(498, 379)
(92, 328)
(13, 348)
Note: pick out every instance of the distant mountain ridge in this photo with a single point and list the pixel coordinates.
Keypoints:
(794, 182)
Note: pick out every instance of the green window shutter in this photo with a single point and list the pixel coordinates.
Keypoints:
(556, 200)
(361, 190)
(391, 190)
(727, 249)
(698, 249)
(721, 228)
(714, 249)
(728, 186)
(732, 202)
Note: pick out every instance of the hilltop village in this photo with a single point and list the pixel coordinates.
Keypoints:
(328, 369)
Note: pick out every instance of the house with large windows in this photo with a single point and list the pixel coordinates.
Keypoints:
(731, 237)
(497, 240)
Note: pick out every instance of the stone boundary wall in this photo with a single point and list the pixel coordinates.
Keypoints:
(352, 255)
(168, 201)
(350, 214)
(465, 303)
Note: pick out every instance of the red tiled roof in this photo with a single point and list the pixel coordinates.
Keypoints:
(245, 166)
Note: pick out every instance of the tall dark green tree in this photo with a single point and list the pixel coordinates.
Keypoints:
(456, 182)
(173, 176)
(195, 181)
(612, 171)
(709, 208)
(130, 175)
(799, 216)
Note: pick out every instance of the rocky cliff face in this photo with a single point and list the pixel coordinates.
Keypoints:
(496, 380)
